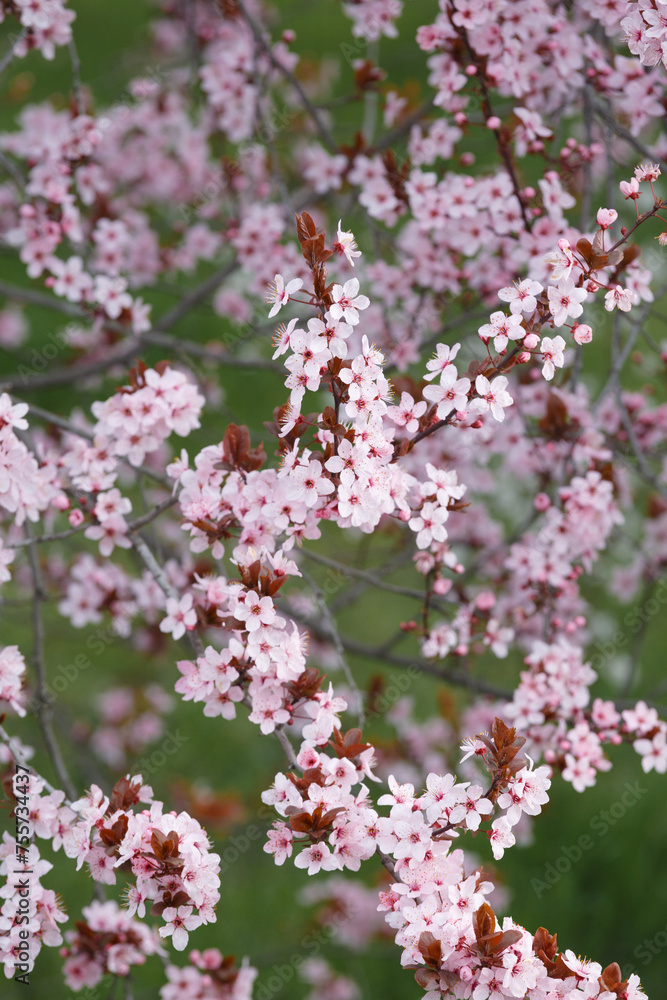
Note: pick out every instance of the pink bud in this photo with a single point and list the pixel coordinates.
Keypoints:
(61, 502)
(471, 70)
(493, 122)
(442, 586)
(528, 193)
(606, 217)
(476, 424)
(485, 601)
(530, 341)
(542, 502)
(523, 358)
(289, 36)
(76, 517)
(467, 159)
(404, 515)
(582, 333)
(460, 118)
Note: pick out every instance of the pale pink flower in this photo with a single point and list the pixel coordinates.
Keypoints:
(347, 302)
(345, 243)
(181, 615)
(552, 355)
(279, 293)
(565, 301)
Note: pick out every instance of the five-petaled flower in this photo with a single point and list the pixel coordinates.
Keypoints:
(347, 302)
(180, 616)
(279, 293)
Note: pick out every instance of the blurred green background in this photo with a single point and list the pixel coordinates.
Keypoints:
(605, 906)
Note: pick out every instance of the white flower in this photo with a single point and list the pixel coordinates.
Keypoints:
(492, 395)
(552, 354)
(279, 293)
(521, 296)
(621, 297)
(565, 300)
(451, 394)
(347, 302)
(180, 616)
(346, 244)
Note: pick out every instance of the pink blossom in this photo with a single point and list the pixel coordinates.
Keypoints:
(492, 396)
(315, 858)
(181, 615)
(565, 301)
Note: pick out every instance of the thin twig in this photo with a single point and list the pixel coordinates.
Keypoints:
(282, 738)
(141, 547)
(76, 77)
(42, 706)
(309, 107)
(335, 636)
(8, 56)
(388, 140)
(628, 137)
(363, 575)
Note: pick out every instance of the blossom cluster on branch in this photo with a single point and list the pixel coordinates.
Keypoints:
(444, 287)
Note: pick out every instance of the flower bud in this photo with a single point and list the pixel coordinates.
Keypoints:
(485, 600)
(606, 217)
(582, 333)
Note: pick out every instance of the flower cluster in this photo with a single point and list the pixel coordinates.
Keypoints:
(135, 421)
(46, 24)
(28, 907)
(210, 976)
(27, 486)
(130, 719)
(168, 855)
(12, 677)
(493, 478)
(107, 940)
